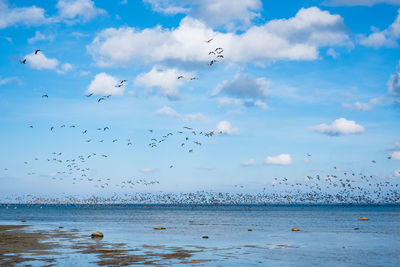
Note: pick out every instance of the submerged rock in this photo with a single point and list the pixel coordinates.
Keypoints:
(97, 235)
(294, 229)
(363, 218)
(159, 228)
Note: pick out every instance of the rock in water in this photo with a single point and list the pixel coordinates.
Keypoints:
(97, 235)
(363, 218)
(294, 229)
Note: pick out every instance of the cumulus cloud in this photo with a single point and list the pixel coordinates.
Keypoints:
(396, 155)
(168, 111)
(296, 38)
(282, 159)
(226, 13)
(104, 84)
(363, 106)
(359, 2)
(394, 85)
(340, 126)
(225, 127)
(14, 16)
(245, 87)
(387, 37)
(40, 37)
(78, 10)
(164, 79)
(249, 162)
(40, 61)
(249, 91)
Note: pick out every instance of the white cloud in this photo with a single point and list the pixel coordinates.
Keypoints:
(168, 111)
(169, 7)
(40, 37)
(397, 173)
(10, 80)
(282, 159)
(225, 127)
(331, 52)
(164, 79)
(395, 147)
(296, 38)
(66, 67)
(245, 87)
(387, 37)
(40, 61)
(29, 16)
(104, 84)
(359, 2)
(394, 84)
(249, 162)
(396, 155)
(363, 106)
(148, 170)
(250, 91)
(226, 13)
(78, 9)
(340, 126)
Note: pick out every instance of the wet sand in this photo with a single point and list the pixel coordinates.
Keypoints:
(18, 245)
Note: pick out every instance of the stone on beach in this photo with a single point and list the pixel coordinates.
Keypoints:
(363, 218)
(97, 235)
(294, 229)
(159, 228)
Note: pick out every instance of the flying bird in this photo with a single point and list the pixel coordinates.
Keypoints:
(100, 99)
(37, 51)
(89, 95)
(45, 96)
(23, 61)
(180, 77)
(209, 41)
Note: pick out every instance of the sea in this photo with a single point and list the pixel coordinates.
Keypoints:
(238, 235)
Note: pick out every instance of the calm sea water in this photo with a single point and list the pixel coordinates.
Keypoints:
(326, 237)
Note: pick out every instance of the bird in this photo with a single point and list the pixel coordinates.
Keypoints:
(84, 132)
(100, 99)
(209, 41)
(45, 96)
(171, 166)
(220, 56)
(37, 51)
(194, 78)
(89, 95)
(180, 77)
(212, 62)
(23, 61)
(211, 52)
(106, 128)
(51, 128)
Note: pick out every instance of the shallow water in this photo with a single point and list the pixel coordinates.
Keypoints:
(326, 237)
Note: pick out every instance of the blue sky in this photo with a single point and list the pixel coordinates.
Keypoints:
(293, 78)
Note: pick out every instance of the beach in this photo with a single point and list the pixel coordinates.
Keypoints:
(237, 235)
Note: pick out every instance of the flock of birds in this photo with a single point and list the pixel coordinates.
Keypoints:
(336, 187)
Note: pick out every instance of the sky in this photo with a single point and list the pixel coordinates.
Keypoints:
(290, 89)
